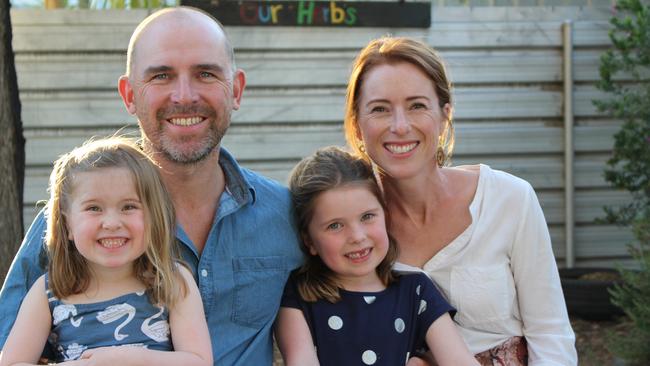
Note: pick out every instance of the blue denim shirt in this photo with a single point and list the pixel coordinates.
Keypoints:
(251, 248)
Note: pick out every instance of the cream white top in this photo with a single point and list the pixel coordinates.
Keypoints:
(501, 275)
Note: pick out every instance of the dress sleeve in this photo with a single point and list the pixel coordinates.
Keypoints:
(546, 325)
(28, 265)
(431, 305)
(290, 296)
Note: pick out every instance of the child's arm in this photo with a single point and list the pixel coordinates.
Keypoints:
(294, 338)
(189, 328)
(447, 345)
(189, 333)
(31, 329)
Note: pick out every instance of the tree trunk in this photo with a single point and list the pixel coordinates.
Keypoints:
(12, 148)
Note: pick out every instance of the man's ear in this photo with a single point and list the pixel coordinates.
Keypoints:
(238, 85)
(126, 92)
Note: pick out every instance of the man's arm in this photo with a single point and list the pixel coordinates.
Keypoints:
(28, 265)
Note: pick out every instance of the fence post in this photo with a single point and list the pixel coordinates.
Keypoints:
(569, 221)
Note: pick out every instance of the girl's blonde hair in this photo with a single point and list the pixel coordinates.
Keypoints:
(329, 168)
(391, 50)
(68, 270)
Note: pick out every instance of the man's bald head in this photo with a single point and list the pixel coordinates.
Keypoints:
(170, 17)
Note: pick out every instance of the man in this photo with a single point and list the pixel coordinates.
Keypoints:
(234, 227)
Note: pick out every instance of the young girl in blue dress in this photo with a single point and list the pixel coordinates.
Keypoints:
(345, 306)
(112, 280)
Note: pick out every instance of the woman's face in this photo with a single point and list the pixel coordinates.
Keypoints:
(400, 119)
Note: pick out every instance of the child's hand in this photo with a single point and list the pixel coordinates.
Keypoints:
(416, 361)
(107, 356)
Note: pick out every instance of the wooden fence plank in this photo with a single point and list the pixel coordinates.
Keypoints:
(111, 34)
(287, 142)
(104, 108)
(278, 69)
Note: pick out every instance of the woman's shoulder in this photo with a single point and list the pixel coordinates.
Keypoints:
(465, 179)
(504, 182)
(464, 172)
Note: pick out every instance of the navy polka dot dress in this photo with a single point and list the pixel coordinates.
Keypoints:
(372, 328)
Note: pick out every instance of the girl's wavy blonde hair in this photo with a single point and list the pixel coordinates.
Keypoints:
(68, 271)
(327, 169)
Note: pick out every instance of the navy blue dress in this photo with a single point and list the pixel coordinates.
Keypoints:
(129, 319)
(372, 328)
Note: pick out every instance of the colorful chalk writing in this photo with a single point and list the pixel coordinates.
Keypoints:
(317, 13)
(305, 13)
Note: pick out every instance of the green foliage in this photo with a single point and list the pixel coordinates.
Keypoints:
(633, 296)
(625, 77)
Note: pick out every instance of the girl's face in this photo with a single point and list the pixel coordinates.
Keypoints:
(400, 119)
(105, 218)
(348, 232)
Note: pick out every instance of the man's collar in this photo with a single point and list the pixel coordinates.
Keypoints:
(236, 183)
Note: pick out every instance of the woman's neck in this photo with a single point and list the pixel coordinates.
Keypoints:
(417, 198)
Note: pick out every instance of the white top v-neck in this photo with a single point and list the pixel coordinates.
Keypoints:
(501, 276)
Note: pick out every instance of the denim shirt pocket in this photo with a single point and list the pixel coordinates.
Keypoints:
(259, 282)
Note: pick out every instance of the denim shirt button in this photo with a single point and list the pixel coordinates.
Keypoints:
(204, 272)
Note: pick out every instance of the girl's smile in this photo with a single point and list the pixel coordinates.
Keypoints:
(348, 232)
(105, 218)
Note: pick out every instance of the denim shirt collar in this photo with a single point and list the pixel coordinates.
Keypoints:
(236, 183)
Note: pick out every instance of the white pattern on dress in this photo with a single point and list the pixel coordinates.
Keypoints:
(73, 352)
(399, 325)
(113, 313)
(423, 307)
(335, 322)
(158, 331)
(369, 357)
(63, 312)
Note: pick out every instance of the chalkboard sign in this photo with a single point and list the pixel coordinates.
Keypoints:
(317, 13)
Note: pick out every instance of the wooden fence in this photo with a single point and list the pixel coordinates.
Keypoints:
(505, 62)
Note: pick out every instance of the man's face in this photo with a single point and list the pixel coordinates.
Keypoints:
(182, 87)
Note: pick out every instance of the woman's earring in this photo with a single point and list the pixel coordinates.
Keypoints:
(440, 156)
(362, 147)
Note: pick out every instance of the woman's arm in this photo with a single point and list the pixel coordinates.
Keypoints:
(447, 345)
(31, 329)
(546, 324)
(189, 333)
(294, 338)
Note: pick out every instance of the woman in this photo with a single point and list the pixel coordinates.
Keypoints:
(479, 233)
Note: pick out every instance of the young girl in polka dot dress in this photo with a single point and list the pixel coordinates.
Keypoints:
(345, 306)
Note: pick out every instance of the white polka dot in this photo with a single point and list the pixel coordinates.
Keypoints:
(399, 325)
(369, 357)
(369, 299)
(423, 307)
(417, 290)
(335, 322)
